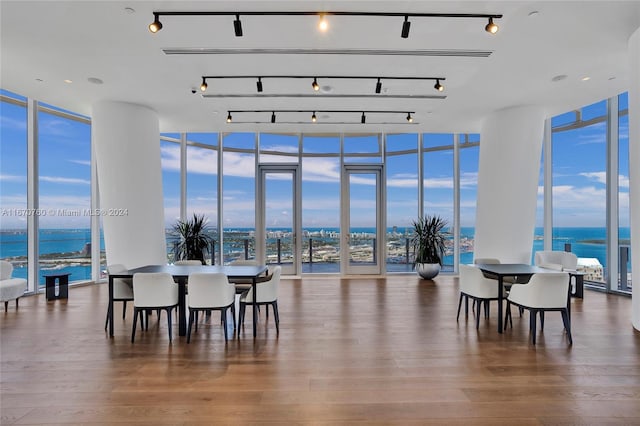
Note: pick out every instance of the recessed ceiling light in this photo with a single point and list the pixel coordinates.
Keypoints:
(533, 14)
(39, 80)
(587, 78)
(68, 81)
(612, 77)
(326, 89)
(94, 80)
(129, 10)
(559, 77)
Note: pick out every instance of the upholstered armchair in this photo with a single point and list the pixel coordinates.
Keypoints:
(10, 288)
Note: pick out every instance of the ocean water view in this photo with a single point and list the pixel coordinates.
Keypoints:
(69, 250)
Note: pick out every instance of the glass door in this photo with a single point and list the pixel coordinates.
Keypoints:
(362, 227)
(278, 216)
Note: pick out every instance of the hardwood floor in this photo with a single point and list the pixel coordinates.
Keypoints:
(350, 351)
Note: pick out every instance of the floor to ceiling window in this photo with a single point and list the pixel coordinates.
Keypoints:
(170, 163)
(64, 146)
(437, 162)
(13, 182)
(202, 184)
(321, 204)
(239, 184)
(469, 160)
(401, 162)
(624, 225)
(579, 187)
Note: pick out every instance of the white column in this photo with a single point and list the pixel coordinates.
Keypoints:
(127, 148)
(510, 149)
(634, 170)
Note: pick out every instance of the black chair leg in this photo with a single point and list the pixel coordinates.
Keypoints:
(106, 321)
(224, 323)
(466, 306)
(478, 309)
(487, 307)
(169, 321)
(507, 316)
(241, 316)
(197, 320)
(135, 322)
(192, 315)
(124, 309)
(6, 306)
(457, 316)
(233, 312)
(541, 320)
(567, 324)
(532, 324)
(276, 315)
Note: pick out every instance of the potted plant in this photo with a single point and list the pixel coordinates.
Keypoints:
(428, 243)
(194, 241)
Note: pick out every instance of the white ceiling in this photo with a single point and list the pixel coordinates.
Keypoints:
(57, 40)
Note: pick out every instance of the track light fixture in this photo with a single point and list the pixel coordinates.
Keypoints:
(491, 27)
(316, 87)
(156, 25)
(237, 26)
(406, 26)
(314, 118)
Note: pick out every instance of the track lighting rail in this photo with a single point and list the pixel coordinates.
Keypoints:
(491, 27)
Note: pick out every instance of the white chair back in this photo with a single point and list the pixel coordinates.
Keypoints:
(122, 287)
(6, 269)
(267, 290)
(545, 291)
(154, 289)
(244, 262)
(188, 262)
(474, 283)
(487, 261)
(210, 291)
(568, 260)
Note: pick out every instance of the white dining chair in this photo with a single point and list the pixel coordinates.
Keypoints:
(153, 291)
(267, 295)
(544, 292)
(243, 285)
(122, 290)
(210, 292)
(473, 284)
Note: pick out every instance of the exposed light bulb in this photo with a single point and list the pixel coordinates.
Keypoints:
(323, 25)
(491, 27)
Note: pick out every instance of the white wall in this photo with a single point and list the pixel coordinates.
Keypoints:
(508, 174)
(634, 170)
(126, 138)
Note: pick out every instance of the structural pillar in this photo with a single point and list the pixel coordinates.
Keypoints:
(508, 174)
(127, 149)
(634, 171)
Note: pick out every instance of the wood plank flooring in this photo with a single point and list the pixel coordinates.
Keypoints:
(350, 351)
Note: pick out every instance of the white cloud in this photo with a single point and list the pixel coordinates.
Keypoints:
(60, 179)
(81, 162)
(601, 177)
(13, 178)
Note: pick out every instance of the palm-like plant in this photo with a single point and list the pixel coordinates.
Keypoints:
(428, 240)
(194, 241)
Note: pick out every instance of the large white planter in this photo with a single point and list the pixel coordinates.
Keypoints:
(428, 271)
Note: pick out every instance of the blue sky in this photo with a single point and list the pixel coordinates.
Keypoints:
(578, 174)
